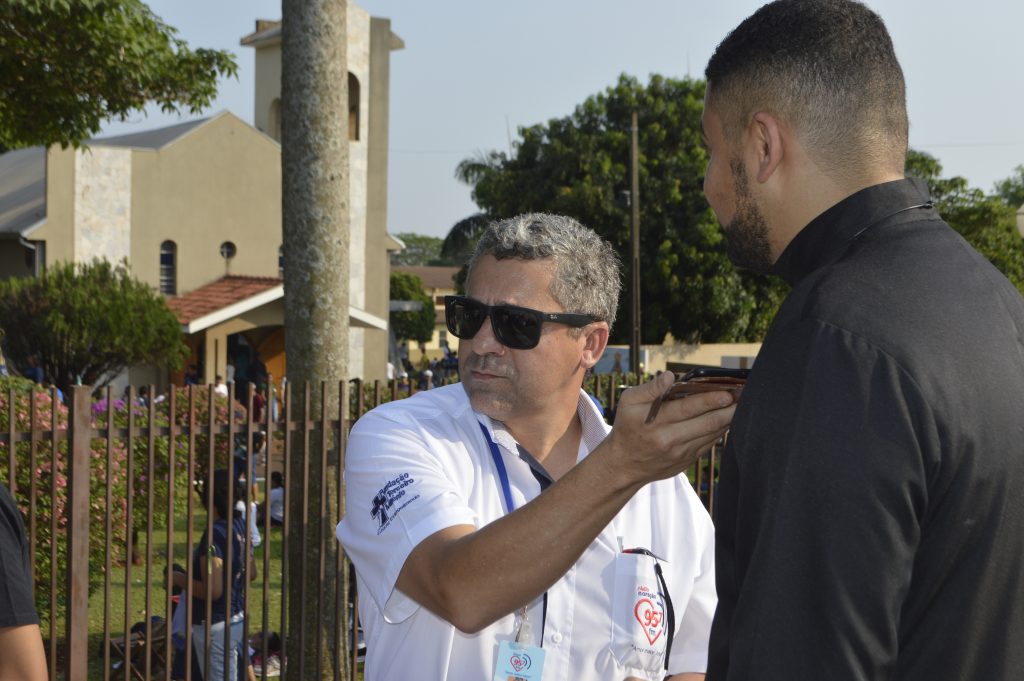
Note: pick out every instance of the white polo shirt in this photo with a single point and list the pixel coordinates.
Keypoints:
(419, 465)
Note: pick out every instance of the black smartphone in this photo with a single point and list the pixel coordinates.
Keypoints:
(698, 380)
(714, 372)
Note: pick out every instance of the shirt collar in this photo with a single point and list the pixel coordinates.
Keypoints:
(827, 236)
(593, 427)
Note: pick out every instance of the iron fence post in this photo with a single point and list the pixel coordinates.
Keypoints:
(77, 620)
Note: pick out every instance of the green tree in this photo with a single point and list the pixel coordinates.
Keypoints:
(579, 166)
(419, 250)
(68, 66)
(988, 223)
(417, 325)
(1011, 190)
(88, 321)
(462, 237)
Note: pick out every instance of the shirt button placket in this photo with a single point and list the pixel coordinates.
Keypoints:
(560, 625)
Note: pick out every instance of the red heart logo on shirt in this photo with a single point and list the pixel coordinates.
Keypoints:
(650, 617)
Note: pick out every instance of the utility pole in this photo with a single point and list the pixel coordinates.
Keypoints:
(315, 222)
(634, 250)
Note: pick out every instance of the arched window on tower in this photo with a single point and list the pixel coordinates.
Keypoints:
(169, 268)
(353, 108)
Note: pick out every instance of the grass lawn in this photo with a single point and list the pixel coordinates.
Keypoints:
(157, 594)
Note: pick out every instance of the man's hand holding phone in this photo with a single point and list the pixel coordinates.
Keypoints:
(701, 380)
(676, 440)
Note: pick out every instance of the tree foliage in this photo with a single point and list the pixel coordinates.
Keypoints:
(579, 166)
(988, 223)
(420, 250)
(461, 240)
(66, 66)
(1011, 190)
(415, 325)
(88, 321)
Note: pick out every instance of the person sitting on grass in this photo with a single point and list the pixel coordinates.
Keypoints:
(275, 502)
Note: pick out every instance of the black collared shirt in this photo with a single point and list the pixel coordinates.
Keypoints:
(870, 514)
(17, 603)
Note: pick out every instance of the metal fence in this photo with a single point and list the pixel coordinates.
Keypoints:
(107, 489)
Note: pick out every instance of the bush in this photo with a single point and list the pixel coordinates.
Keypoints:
(88, 322)
(47, 470)
(36, 469)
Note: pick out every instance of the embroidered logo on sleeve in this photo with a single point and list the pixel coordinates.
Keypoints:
(384, 501)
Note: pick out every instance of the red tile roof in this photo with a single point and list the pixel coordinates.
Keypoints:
(218, 295)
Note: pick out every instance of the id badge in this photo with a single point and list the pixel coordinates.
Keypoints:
(518, 662)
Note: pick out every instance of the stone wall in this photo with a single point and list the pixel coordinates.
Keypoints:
(103, 204)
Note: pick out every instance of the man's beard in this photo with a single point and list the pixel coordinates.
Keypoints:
(746, 236)
(494, 398)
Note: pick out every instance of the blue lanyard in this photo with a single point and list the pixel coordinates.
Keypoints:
(502, 473)
(510, 506)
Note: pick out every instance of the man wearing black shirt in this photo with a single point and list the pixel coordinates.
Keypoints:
(21, 646)
(870, 522)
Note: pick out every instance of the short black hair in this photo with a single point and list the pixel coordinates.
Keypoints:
(222, 480)
(277, 478)
(828, 68)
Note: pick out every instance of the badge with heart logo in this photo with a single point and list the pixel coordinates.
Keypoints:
(519, 662)
(651, 618)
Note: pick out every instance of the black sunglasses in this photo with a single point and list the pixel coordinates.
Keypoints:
(515, 327)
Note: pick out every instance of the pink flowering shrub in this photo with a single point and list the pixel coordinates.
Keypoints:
(37, 468)
(47, 470)
(221, 412)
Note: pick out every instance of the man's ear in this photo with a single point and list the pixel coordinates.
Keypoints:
(595, 341)
(768, 139)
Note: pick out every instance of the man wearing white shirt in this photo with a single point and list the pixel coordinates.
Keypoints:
(220, 387)
(498, 516)
(276, 498)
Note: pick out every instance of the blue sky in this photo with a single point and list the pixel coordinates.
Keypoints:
(473, 71)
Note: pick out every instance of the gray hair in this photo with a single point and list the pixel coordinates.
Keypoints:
(586, 280)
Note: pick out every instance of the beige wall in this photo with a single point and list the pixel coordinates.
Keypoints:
(378, 269)
(219, 182)
(434, 348)
(58, 230)
(360, 341)
(143, 375)
(268, 86)
(359, 66)
(709, 354)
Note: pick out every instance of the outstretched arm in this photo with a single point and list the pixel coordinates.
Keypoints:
(470, 578)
